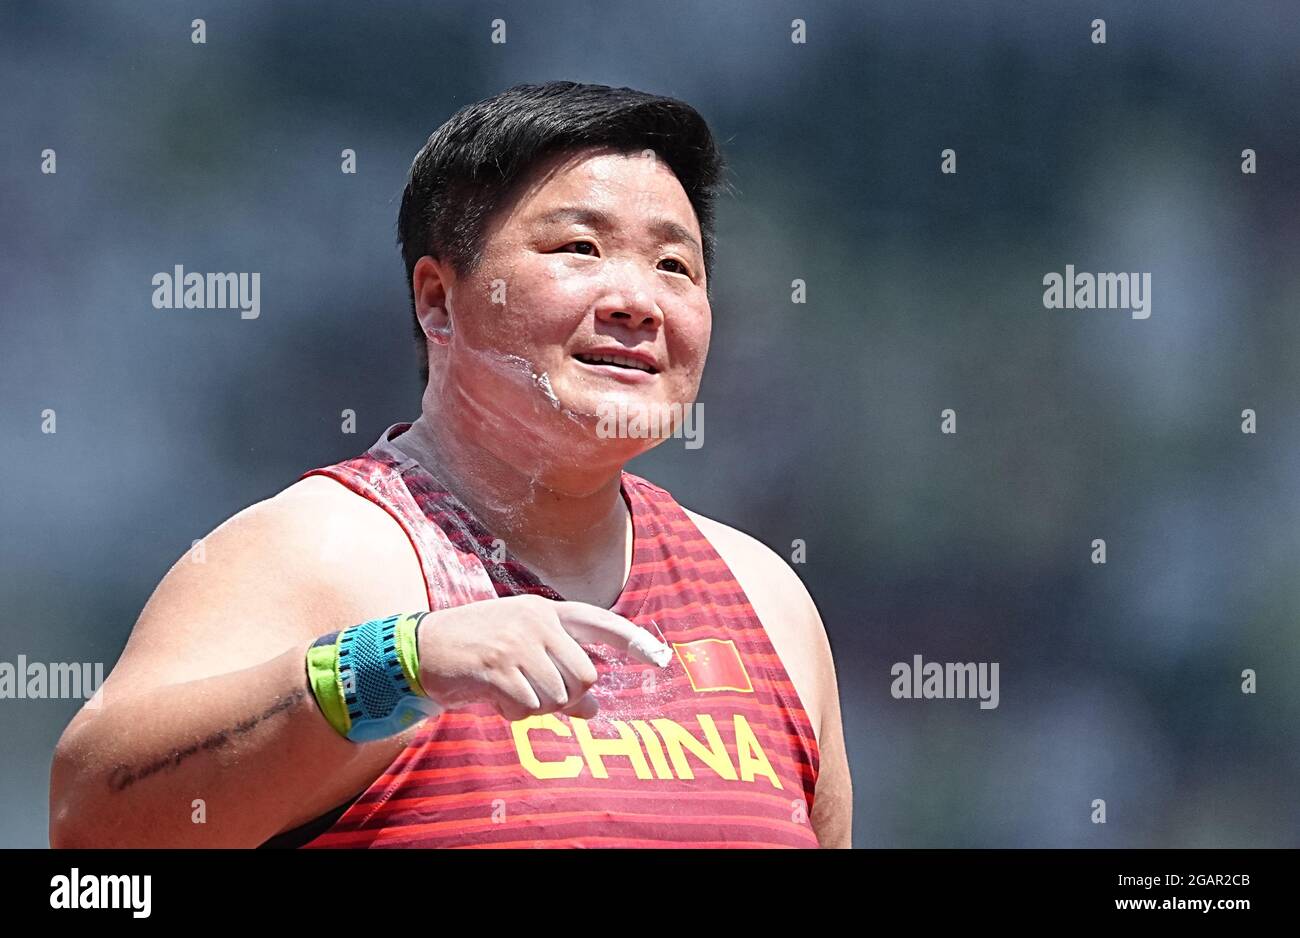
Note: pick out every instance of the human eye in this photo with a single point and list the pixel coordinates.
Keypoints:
(681, 266)
(590, 244)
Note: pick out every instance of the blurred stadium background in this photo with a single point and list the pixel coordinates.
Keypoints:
(822, 420)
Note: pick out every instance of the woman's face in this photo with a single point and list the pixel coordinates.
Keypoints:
(599, 254)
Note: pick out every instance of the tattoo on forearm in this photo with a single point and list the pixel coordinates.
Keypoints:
(124, 775)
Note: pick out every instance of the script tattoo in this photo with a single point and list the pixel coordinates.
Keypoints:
(124, 775)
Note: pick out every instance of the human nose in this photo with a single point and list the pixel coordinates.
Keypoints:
(631, 303)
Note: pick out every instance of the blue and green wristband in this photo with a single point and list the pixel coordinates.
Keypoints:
(366, 679)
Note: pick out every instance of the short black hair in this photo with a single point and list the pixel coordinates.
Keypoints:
(471, 165)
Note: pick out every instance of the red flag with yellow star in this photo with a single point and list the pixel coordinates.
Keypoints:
(713, 664)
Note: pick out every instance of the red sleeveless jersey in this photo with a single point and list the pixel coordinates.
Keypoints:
(714, 750)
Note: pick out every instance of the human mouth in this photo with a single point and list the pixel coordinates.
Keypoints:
(636, 368)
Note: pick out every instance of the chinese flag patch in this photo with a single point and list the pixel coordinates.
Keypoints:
(713, 664)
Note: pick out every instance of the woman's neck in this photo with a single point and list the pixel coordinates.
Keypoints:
(569, 526)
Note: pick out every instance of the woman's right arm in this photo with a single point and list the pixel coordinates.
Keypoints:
(205, 733)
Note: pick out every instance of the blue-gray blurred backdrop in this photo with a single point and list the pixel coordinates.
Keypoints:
(924, 292)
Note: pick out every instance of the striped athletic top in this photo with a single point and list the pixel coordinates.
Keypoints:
(714, 750)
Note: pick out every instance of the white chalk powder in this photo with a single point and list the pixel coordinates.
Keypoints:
(651, 647)
(541, 381)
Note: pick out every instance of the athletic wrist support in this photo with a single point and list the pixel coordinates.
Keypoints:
(366, 678)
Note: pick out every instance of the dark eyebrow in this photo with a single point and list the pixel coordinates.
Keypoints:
(665, 229)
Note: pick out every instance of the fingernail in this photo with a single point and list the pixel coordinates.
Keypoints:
(658, 652)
